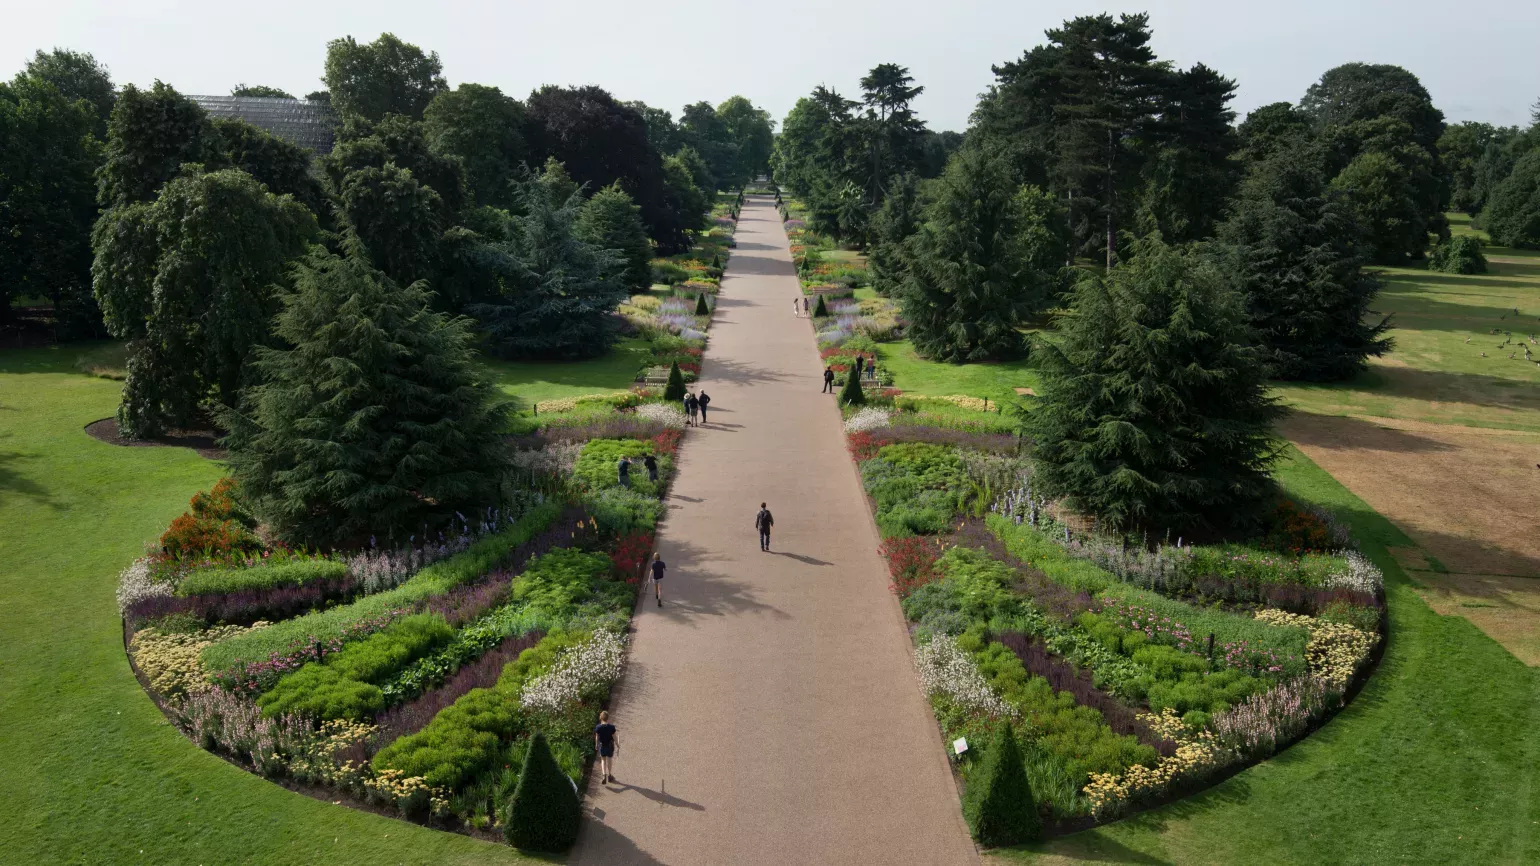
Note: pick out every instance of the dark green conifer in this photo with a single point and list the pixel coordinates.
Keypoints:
(700, 305)
(998, 803)
(674, 390)
(545, 812)
(819, 309)
(851, 394)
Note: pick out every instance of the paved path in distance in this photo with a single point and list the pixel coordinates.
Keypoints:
(770, 712)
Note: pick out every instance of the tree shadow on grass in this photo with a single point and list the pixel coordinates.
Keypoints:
(1416, 313)
(1494, 392)
(12, 481)
(1338, 432)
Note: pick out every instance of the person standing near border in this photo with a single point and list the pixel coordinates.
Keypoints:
(624, 468)
(607, 745)
(704, 400)
(651, 462)
(691, 406)
(871, 368)
(657, 576)
(762, 522)
(828, 379)
(807, 308)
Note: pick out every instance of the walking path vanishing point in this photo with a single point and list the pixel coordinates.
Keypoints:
(770, 712)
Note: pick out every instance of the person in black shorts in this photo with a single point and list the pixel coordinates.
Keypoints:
(762, 522)
(607, 745)
(657, 576)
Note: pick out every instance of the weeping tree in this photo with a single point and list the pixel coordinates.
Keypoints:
(558, 291)
(1154, 410)
(188, 280)
(986, 257)
(376, 418)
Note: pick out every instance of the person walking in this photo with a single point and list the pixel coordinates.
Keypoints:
(828, 379)
(807, 308)
(657, 576)
(691, 406)
(624, 468)
(704, 401)
(607, 745)
(762, 522)
(796, 309)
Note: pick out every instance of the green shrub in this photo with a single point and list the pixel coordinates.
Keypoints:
(1030, 546)
(544, 813)
(434, 580)
(619, 510)
(380, 655)
(700, 306)
(820, 310)
(556, 583)
(321, 692)
(674, 390)
(1458, 255)
(668, 273)
(1346, 613)
(998, 803)
(223, 579)
(1210, 693)
(915, 487)
(851, 394)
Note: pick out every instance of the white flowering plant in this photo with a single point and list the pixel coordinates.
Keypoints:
(583, 672)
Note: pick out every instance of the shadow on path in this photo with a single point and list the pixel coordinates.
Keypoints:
(661, 797)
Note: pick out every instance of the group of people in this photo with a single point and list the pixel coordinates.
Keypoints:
(694, 406)
(801, 309)
(861, 365)
(624, 468)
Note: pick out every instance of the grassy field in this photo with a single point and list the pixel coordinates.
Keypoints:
(94, 772)
(533, 381)
(997, 381)
(1435, 761)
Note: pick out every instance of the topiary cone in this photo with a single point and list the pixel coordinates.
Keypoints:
(998, 803)
(851, 394)
(545, 812)
(700, 305)
(674, 390)
(820, 310)
(716, 261)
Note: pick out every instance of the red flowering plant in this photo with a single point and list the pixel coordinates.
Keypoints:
(630, 556)
(865, 444)
(667, 442)
(214, 527)
(911, 562)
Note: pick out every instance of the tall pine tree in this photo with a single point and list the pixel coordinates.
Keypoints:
(610, 221)
(892, 226)
(1154, 410)
(377, 418)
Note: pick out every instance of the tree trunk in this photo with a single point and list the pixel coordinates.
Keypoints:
(1110, 202)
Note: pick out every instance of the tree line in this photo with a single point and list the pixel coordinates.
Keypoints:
(1184, 258)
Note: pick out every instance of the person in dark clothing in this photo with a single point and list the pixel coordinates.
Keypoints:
(657, 576)
(624, 467)
(859, 366)
(806, 307)
(704, 400)
(871, 368)
(607, 745)
(762, 522)
(651, 463)
(691, 405)
(828, 379)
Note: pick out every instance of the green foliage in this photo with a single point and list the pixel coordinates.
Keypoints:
(485, 129)
(820, 309)
(558, 291)
(1206, 693)
(1459, 255)
(892, 226)
(556, 583)
(378, 420)
(222, 579)
(322, 692)
(386, 76)
(380, 655)
(76, 75)
(1379, 190)
(915, 487)
(684, 174)
(983, 261)
(189, 281)
(1154, 409)
(609, 221)
(48, 157)
(284, 167)
(151, 134)
(1513, 214)
(674, 390)
(262, 90)
(851, 394)
(1295, 251)
(620, 510)
(430, 582)
(752, 134)
(998, 804)
(700, 305)
(596, 465)
(396, 221)
(545, 812)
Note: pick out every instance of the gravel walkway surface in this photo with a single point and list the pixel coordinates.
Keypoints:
(770, 712)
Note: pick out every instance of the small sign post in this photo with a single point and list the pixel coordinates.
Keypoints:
(960, 745)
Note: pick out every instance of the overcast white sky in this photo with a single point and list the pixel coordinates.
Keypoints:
(1479, 61)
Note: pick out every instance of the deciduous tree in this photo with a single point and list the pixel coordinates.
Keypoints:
(151, 134)
(386, 76)
(484, 129)
(77, 75)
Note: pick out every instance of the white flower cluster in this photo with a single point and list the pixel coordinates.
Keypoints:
(666, 414)
(870, 418)
(134, 584)
(580, 672)
(1361, 575)
(946, 669)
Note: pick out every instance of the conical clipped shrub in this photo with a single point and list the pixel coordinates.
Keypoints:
(545, 812)
(851, 394)
(998, 804)
(700, 305)
(716, 261)
(820, 310)
(674, 390)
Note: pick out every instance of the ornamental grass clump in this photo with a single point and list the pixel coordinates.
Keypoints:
(998, 803)
(545, 812)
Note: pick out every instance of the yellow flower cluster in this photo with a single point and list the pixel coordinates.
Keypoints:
(644, 302)
(315, 760)
(395, 786)
(976, 403)
(567, 404)
(171, 661)
(1195, 754)
(1334, 652)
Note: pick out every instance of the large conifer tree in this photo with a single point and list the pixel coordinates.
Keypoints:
(610, 221)
(1154, 411)
(377, 420)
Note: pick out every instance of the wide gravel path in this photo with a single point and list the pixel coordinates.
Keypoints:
(770, 712)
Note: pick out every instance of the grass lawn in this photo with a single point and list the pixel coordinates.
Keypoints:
(94, 772)
(1435, 375)
(1436, 761)
(997, 381)
(533, 381)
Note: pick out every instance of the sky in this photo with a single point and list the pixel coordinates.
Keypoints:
(1478, 64)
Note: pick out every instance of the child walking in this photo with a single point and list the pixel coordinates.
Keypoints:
(607, 745)
(657, 576)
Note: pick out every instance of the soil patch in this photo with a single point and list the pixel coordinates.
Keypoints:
(1465, 495)
(201, 441)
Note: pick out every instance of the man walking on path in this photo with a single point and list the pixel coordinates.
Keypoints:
(606, 745)
(828, 379)
(762, 522)
(704, 401)
(657, 577)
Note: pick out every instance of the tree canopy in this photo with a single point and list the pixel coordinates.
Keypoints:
(610, 221)
(244, 89)
(151, 134)
(484, 129)
(1513, 214)
(386, 76)
(77, 75)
